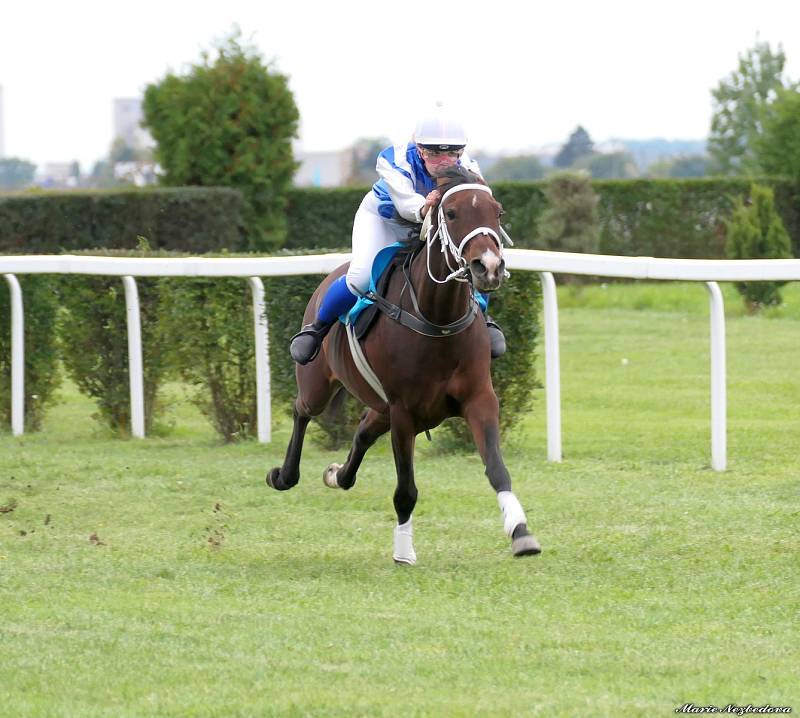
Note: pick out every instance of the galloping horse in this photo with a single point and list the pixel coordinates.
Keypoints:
(425, 379)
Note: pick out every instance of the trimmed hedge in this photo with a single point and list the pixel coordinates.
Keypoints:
(210, 325)
(659, 218)
(188, 219)
(93, 336)
(680, 218)
(321, 217)
(42, 376)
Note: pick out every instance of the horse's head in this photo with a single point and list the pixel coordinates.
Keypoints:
(469, 218)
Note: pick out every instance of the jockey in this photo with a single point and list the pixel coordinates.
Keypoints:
(392, 212)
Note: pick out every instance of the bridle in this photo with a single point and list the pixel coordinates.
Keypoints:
(416, 320)
(449, 248)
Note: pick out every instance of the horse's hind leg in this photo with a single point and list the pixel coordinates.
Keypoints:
(372, 426)
(482, 415)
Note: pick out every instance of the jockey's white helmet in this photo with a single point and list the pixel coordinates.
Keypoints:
(440, 129)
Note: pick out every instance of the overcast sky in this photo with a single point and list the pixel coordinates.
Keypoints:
(526, 73)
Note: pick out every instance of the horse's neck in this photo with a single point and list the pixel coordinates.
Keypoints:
(440, 303)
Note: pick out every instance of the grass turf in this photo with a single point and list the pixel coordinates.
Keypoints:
(163, 578)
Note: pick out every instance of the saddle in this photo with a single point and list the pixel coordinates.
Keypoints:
(366, 317)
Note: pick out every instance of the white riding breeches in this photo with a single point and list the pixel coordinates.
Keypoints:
(371, 233)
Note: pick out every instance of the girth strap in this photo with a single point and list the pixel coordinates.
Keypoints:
(422, 325)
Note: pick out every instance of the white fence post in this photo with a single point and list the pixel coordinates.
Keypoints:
(135, 357)
(263, 389)
(552, 366)
(719, 442)
(17, 357)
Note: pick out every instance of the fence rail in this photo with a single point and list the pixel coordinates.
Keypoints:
(544, 263)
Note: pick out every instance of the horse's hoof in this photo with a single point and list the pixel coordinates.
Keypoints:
(272, 477)
(329, 476)
(404, 561)
(525, 546)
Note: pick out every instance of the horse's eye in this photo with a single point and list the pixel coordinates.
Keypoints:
(451, 214)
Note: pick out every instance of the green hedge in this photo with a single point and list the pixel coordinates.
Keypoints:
(189, 219)
(42, 376)
(209, 322)
(93, 336)
(680, 218)
(660, 218)
(320, 217)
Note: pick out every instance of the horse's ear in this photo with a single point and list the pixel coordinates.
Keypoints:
(443, 180)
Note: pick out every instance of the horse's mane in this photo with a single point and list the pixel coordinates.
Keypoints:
(457, 175)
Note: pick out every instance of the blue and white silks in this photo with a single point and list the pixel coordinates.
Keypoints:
(388, 215)
(404, 182)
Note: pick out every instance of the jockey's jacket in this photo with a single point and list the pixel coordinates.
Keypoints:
(404, 182)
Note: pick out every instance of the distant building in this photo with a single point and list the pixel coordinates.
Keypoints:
(2, 127)
(58, 175)
(128, 117)
(137, 168)
(323, 169)
(137, 173)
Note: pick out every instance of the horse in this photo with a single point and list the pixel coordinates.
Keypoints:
(425, 379)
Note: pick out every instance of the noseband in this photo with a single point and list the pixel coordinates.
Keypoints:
(449, 247)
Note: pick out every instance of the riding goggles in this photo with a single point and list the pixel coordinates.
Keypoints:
(443, 150)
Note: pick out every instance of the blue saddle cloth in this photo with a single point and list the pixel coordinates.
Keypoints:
(382, 260)
(379, 264)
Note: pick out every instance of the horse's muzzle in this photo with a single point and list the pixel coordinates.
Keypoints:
(487, 272)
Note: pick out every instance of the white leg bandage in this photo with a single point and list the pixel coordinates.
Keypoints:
(404, 544)
(513, 514)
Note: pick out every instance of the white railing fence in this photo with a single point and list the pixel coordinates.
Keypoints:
(544, 263)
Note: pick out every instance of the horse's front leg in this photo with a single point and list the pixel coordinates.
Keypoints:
(482, 413)
(405, 495)
(373, 425)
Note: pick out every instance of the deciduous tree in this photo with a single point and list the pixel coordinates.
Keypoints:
(739, 101)
(778, 147)
(578, 145)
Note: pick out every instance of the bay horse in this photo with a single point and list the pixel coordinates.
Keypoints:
(425, 379)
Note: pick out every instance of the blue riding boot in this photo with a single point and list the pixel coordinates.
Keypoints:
(338, 300)
(497, 340)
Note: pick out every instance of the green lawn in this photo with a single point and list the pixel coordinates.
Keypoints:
(163, 578)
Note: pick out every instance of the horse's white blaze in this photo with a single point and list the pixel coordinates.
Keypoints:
(513, 513)
(475, 200)
(404, 544)
(492, 263)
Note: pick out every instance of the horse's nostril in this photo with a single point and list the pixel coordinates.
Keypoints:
(478, 267)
